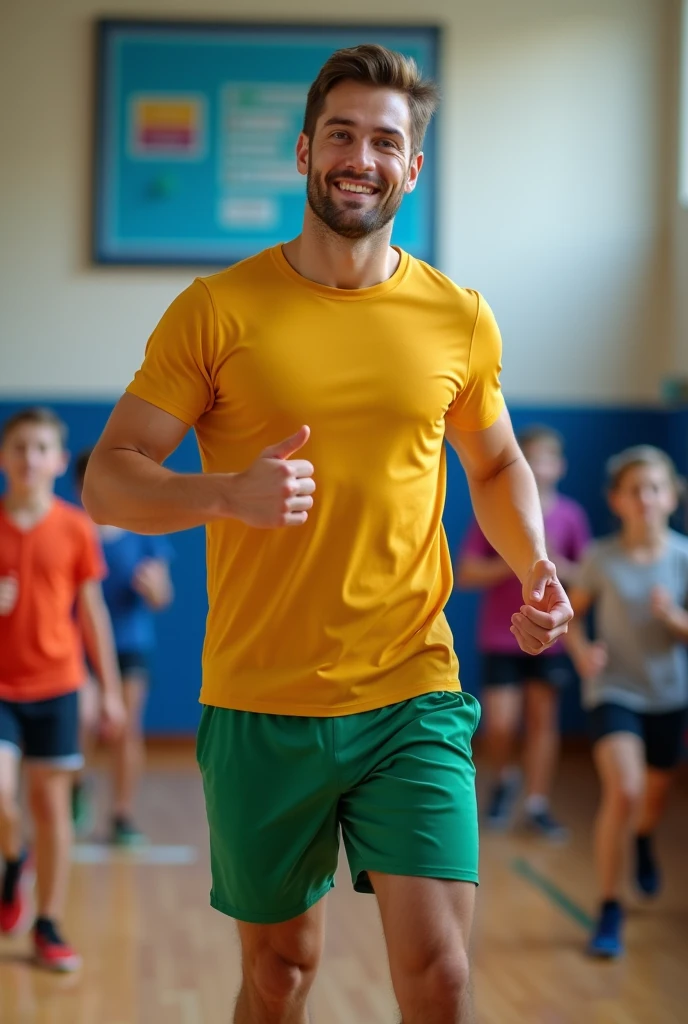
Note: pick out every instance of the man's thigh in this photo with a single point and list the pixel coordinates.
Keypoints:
(423, 918)
(271, 799)
(412, 811)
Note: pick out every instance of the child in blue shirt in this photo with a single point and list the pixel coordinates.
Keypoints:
(137, 585)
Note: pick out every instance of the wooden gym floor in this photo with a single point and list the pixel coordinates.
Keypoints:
(155, 953)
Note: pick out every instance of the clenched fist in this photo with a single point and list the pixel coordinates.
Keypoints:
(276, 490)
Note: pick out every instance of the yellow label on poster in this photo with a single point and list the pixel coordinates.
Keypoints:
(167, 126)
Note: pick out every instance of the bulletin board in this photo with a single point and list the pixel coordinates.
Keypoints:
(196, 127)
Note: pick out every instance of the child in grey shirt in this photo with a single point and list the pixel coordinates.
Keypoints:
(635, 674)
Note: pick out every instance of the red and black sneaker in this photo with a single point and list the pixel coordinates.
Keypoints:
(15, 904)
(50, 949)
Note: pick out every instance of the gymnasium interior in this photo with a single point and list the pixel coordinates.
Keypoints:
(557, 187)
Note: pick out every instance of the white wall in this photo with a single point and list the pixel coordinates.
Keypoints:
(553, 198)
(680, 211)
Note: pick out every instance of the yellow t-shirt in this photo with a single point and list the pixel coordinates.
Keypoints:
(345, 613)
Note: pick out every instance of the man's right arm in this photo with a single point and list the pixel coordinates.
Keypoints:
(126, 484)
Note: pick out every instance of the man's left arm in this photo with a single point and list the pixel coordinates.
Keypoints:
(507, 506)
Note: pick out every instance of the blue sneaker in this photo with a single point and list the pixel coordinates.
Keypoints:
(542, 824)
(502, 801)
(647, 874)
(606, 940)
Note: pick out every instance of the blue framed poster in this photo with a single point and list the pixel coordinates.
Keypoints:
(196, 131)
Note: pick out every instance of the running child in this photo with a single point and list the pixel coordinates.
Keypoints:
(50, 565)
(519, 686)
(635, 673)
(137, 585)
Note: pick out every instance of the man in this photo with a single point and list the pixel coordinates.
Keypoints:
(330, 682)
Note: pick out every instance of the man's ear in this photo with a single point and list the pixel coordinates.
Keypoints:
(413, 172)
(302, 151)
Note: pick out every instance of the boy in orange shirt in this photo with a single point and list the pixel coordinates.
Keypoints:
(50, 564)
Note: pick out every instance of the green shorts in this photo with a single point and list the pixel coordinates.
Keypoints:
(398, 781)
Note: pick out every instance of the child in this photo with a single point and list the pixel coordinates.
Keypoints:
(50, 564)
(514, 682)
(635, 673)
(138, 583)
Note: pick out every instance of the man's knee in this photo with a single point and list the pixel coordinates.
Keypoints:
(446, 979)
(279, 980)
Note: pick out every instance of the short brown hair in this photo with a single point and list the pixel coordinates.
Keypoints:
(376, 65)
(37, 414)
(540, 432)
(641, 455)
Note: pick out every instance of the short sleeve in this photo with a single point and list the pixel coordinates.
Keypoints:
(580, 534)
(480, 400)
(587, 576)
(475, 544)
(160, 548)
(89, 559)
(177, 371)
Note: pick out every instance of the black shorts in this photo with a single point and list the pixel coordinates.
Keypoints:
(43, 731)
(517, 669)
(134, 663)
(662, 734)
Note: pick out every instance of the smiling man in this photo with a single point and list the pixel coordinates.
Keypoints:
(330, 684)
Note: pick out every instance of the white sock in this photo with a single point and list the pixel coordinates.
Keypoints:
(536, 804)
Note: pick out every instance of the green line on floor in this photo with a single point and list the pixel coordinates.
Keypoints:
(552, 892)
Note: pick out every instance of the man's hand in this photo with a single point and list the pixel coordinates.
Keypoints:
(113, 715)
(275, 490)
(9, 592)
(546, 611)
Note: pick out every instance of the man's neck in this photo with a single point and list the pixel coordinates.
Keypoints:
(28, 507)
(321, 255)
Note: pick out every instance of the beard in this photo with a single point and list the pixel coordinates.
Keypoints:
(349, 220)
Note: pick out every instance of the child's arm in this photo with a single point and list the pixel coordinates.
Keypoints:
(96, 630)
(476, 572)
(589, 657)
(152, 581)
(672, 615)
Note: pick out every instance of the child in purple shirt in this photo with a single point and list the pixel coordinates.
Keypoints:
(516, 684)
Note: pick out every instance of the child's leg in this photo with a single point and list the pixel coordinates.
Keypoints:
(15, 907)
(10, 816)
(502, 699)
(503, 708)
(663, 748)
(51, 756)
(49, 792)
(89, 717)
(541, 755)
(89, 713)
(620, 761)
(542, 738)
(129, 751)
(657, 786)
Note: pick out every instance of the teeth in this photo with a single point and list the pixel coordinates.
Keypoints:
(347, 187)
